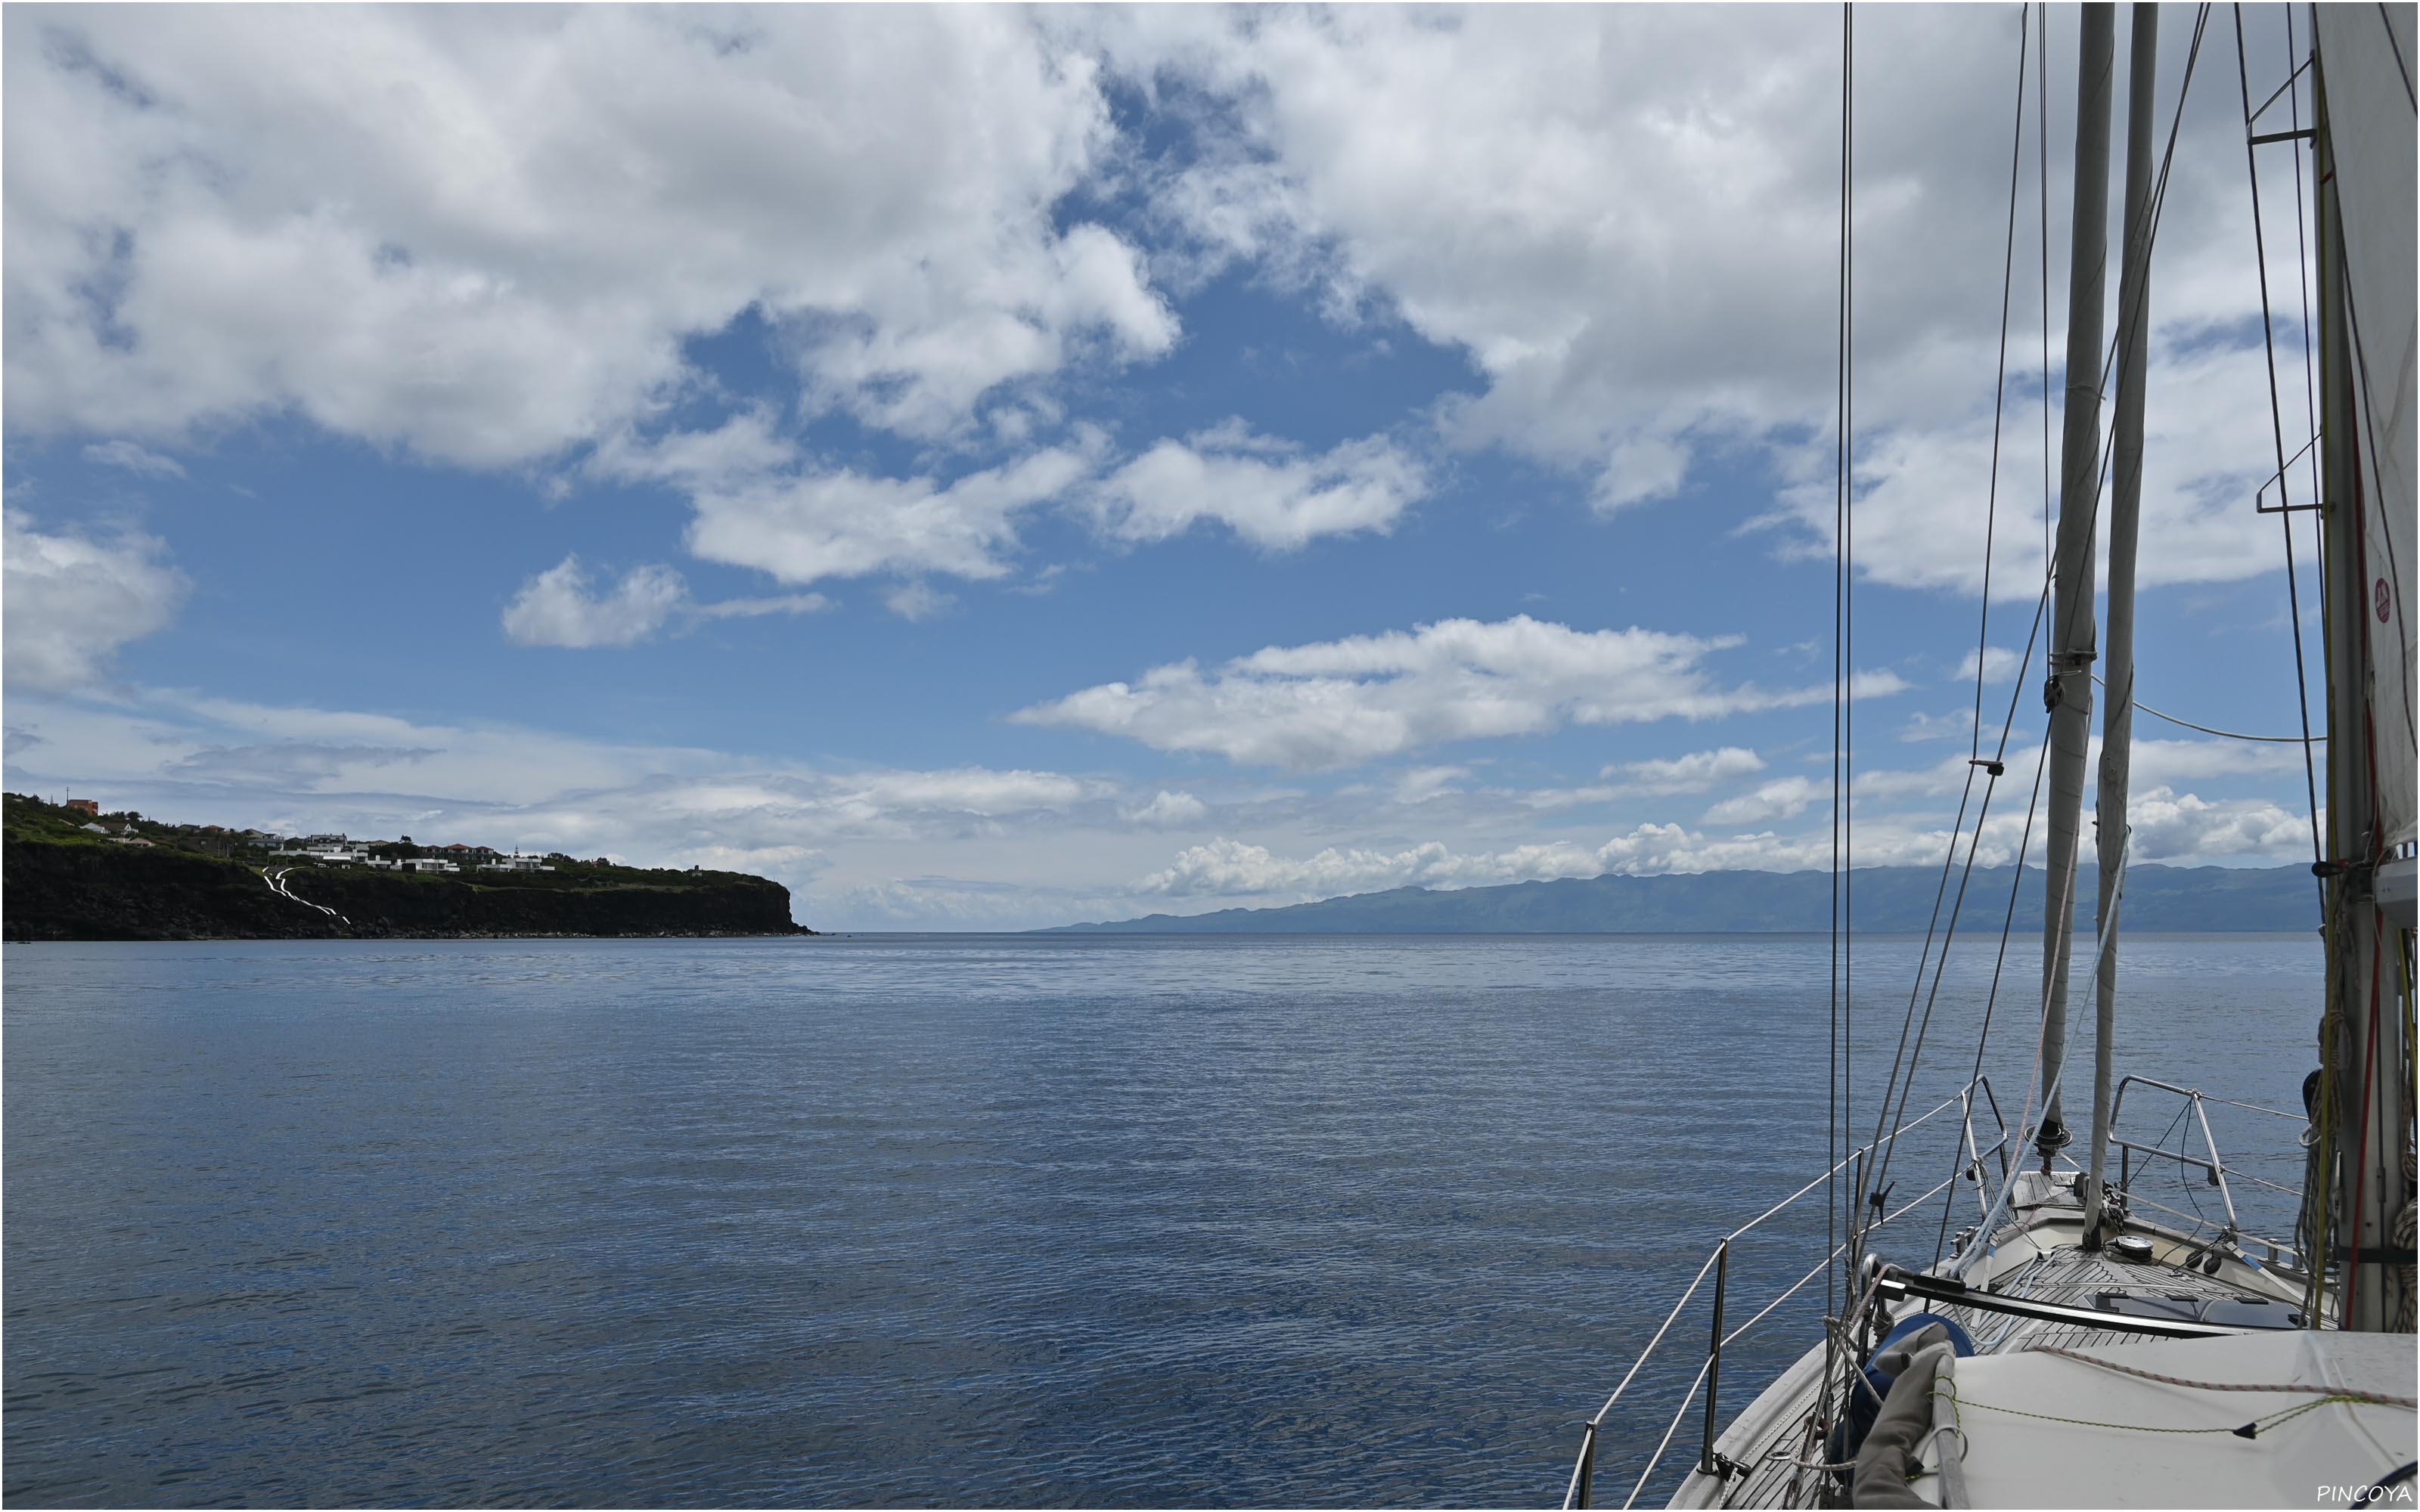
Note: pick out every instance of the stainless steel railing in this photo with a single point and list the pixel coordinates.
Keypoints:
(2210, 1163)
(1580, 1492)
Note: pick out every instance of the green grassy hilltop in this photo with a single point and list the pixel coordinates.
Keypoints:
(72, 876)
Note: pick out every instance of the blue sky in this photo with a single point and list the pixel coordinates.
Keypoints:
(990, 468)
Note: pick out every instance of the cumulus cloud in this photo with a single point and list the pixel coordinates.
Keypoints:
(557, 607)
(803, 526)
(1264, 492)
(1335, 702)
(489, 237)
(760, 503)
(2184, 828)
(1919, 516)
(1618, 216)
(71, 600)
(484, 236)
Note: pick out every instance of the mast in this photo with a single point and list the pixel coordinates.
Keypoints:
(2069, 692)
(2125, 513)
(2366, 229)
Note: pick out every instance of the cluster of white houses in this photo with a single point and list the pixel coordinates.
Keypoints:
(338, 851)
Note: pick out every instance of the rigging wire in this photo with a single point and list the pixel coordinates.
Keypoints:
(1999, 396)
(2159, 199)
(2277, 430)
(1835, 1120)
(2159, 202)
(1883, 1112)
(2142, 707)
(1848, 690)
(2033, 805)
(2306, 214)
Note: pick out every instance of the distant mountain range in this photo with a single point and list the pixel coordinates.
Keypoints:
(1888, 900)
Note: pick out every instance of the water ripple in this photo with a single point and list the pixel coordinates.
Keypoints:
(911, 1221)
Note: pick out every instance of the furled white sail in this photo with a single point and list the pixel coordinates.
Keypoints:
(2367, 61)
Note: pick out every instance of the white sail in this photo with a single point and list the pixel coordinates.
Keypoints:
(2367, 60)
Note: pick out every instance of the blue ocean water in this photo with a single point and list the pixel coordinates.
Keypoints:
(955, 1220)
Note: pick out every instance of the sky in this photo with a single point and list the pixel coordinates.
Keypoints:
(993, 467)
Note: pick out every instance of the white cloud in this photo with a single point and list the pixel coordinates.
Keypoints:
(804, 526)
(1231, 869)
(972, 790)
(485, 235)
(2183, 828)
(1226, 867)
(482, 236)
(917, 601)
(1692, 773)
(1999, 663)
(71, 600)
(1783, 798)
(1919, 516)
(1335, 702)
(1264, 492)
(298, 771)
(1953, 725)
(133, 458)
(759, 503)
(1423, 783)
(746, 608)
(1660, 776)
(556, 608)
(1169, 810)
(1620, 217)
(1641, 468)
(1620, 214)
(969, 846)
(2153, 762)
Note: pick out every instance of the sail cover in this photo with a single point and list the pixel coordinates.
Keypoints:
(2367, 61)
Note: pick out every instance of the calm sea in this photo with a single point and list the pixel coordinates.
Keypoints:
(969, 1221)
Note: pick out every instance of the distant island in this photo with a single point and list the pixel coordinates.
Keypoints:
(75, 872)
(1886, 899)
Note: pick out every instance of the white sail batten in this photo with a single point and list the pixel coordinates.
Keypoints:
(2367, 58)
